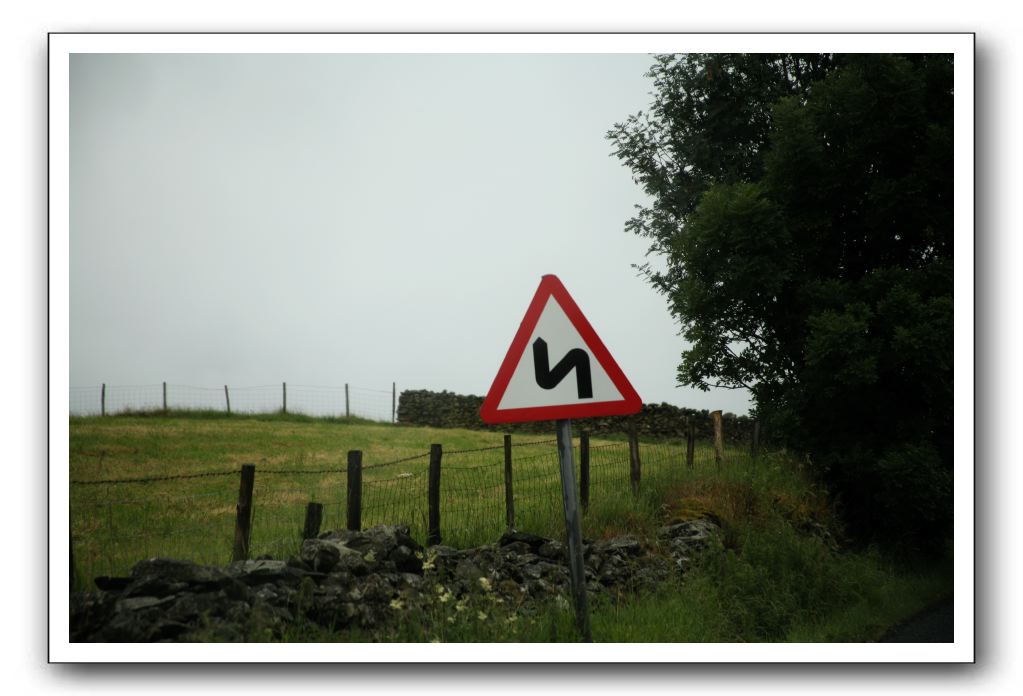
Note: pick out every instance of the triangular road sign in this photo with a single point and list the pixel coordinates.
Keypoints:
(557, 367)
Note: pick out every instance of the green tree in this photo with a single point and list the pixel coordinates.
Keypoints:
(800, 214)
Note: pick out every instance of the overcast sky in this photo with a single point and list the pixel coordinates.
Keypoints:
(363, 219)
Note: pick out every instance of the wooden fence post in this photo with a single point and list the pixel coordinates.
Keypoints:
(509, 499)
(634, 460)
(165, 397)
(313, 518)
(347, 412)
(433, 497)
(719, 437)
(284, 397)
(355, 490)
(103, 400)
(690, 443)
(243, 514)
(227, 398)
(756, 438)
(584, 470)
(394, 401)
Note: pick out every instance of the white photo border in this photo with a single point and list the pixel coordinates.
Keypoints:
(63, 45)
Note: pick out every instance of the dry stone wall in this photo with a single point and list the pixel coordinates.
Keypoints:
(449, 410)
(346, 578)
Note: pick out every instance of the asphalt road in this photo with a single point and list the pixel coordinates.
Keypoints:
(932, 625)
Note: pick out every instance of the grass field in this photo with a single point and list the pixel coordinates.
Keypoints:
(775, 581)
(299, 460)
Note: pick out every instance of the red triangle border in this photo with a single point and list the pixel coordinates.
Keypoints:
(550, 286)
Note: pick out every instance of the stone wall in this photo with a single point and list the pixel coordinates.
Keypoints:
(343, 579)
(449, 410)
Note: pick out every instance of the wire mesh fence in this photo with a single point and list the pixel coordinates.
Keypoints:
(396, 493)
(115, 523)
(192, 516)
(312, 400)
(279, 499)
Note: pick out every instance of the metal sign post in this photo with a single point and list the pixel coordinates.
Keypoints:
(554, 341)
(573, 530)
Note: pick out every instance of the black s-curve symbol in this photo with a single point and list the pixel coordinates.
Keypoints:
(576, 358)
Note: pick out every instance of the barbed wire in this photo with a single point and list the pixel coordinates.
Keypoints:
(151, 479)
(501, 446)
(334, 470)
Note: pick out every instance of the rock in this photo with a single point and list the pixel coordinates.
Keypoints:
(532, 571)
(136, 603)
(405, 560)
(320, 554)
(360, 578)
(352, 562)
(160, 577)
(377, 589)
(553, 571)
(524, 559)
(516, 547)
(382, 540)
(690, 530)
(339, 535)
(553, 550)
(468, 571)
(262, 572)
(172, 570)
(622, 545)
(532, 540)
(109, 584)
(296, 562)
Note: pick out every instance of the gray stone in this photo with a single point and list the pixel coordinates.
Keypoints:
(532, 540)
(262, 572)
(320, 554)
(690, 530)
(553, 550)
(622, 545)
(351, 578)
(136, 603)
(468, 571)
(532, 571)
(405, 560)
(352, 562)
(516, 547)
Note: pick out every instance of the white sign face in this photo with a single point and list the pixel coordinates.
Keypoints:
(557, 367)
(561, 338)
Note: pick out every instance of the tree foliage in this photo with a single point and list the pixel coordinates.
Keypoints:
(800, 216)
